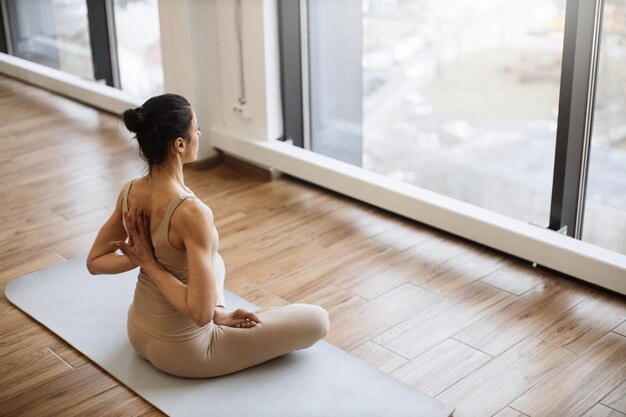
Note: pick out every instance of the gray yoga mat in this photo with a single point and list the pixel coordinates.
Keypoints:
(89, 313)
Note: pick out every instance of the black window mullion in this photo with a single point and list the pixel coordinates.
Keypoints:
(291, 70)
(99, 35)
(576, 102)
(3, 39)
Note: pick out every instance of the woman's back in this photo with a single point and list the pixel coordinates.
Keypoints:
(140, 192)
(150, 310)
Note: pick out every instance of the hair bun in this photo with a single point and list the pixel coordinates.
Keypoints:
(134, 119)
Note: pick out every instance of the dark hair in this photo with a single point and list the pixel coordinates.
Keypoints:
(157, 123)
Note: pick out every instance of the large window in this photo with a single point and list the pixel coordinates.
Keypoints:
(457, 97)
(488, 102)
(54, 33)
(116, 42)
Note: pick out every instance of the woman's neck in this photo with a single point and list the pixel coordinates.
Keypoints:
(168, 176)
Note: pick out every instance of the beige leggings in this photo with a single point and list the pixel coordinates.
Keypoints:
(223, 350)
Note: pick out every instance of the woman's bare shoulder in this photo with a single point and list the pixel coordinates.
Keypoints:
(135, 183)
(192, 215)
(130, 184)
(120, 196)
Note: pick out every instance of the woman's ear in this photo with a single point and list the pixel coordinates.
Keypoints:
(180, 144)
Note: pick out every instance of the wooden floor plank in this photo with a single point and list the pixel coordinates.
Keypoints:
(462, 270)
(583, 325)
(30, 371)
(441, 367)
(299, 284)
(28, 262)
(11, 319)
(581, 384)
(50, 397)
(264, 298)
(509, 412)
(621, 329)
(515, 277)
(527, 315)
(67, 353)
(424, 331)
(53, 233)
(117, 401)
(366, 321)
(600, 410)
(358, 225)
(616, 399)
(405, 236)
(75, 246)
(426, 256)
(378, 356)
(375, 275)
(493, 386)
(247, 268)
(335, 300)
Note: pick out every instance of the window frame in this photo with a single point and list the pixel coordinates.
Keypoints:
(103, 43)
(4, 30)
(291, 80)
(583, 24)
(583, 28)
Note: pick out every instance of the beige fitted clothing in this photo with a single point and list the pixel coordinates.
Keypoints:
(175, 344)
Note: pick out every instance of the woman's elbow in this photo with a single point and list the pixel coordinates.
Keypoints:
(91, 267)
(202, 318)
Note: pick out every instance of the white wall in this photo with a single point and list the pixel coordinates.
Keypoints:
(260, 63)
(188, 50)
(201, 61)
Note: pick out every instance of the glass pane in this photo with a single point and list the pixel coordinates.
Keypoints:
(54, 33)
(336, 79)
(460, 98)
(139, 47)
(605, 208)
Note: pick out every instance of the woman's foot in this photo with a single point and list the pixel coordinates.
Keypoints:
(239, 318)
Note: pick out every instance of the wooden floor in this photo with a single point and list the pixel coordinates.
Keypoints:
(467, 325)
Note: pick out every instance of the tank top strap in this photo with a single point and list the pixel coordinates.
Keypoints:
(163, 226)
(127, 188)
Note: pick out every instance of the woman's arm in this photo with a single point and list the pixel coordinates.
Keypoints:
(102, 258)
(196, 299)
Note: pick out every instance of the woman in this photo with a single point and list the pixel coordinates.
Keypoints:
(178, 319)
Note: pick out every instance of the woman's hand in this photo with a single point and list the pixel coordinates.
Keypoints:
(139, 248)
(239, 318)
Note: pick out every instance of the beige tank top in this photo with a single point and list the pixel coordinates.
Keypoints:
(150, 310)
